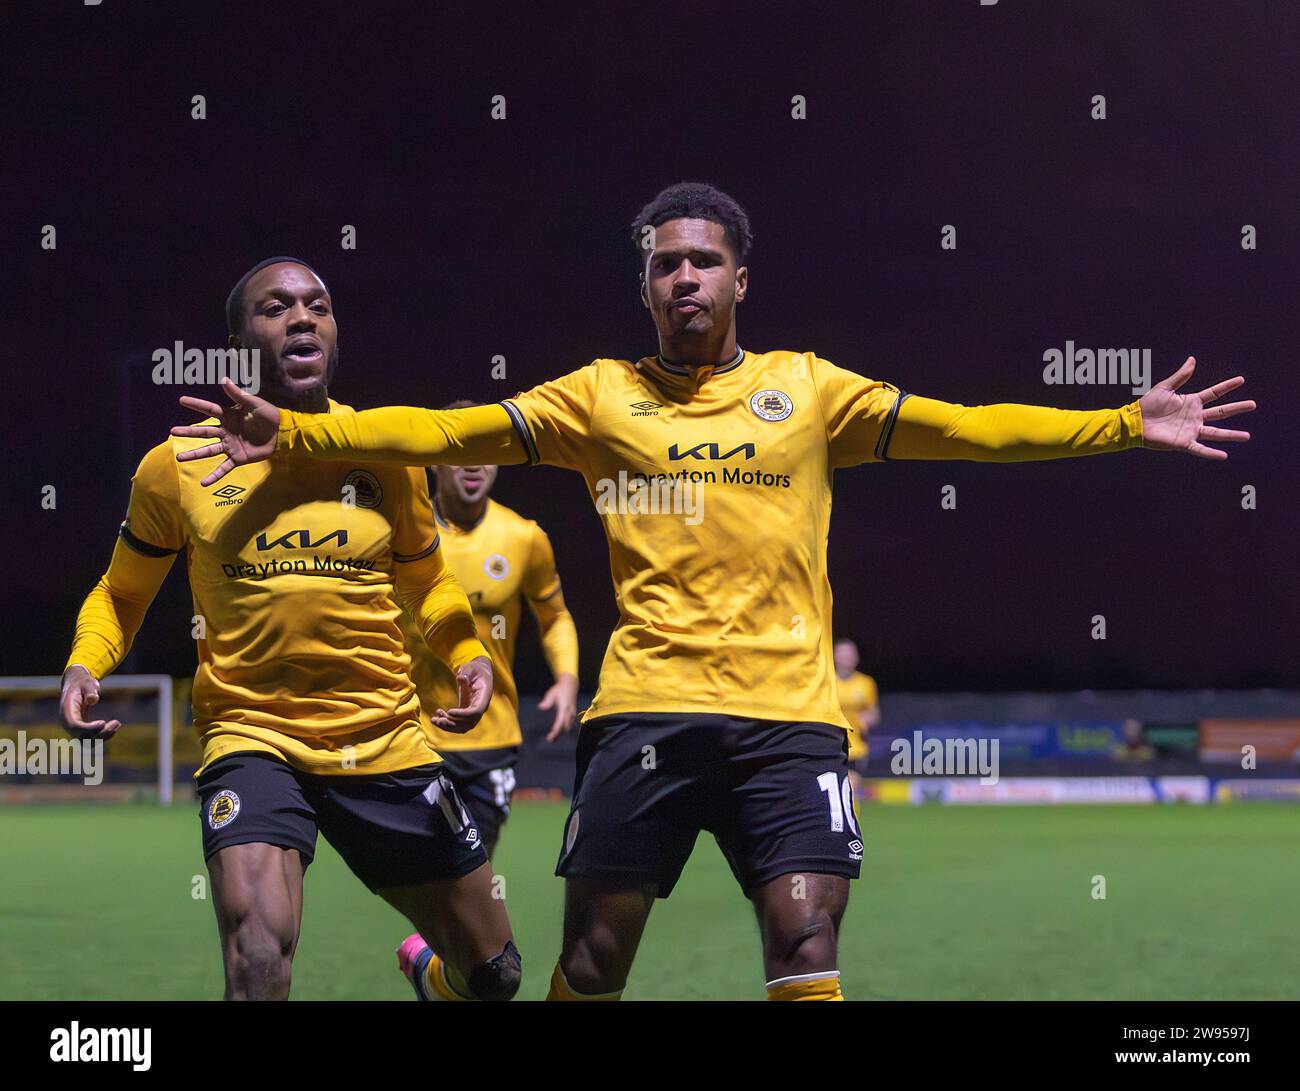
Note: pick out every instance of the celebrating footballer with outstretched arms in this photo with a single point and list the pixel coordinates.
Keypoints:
(721, 664)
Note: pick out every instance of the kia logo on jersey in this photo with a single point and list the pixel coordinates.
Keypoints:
(300, 539)
(713, 452)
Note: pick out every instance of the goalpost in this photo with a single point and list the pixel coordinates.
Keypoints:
(29, 709)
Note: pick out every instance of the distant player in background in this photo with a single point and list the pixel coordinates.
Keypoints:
(860, 701)
(501, 560)
(303, 700)
(1133, 746)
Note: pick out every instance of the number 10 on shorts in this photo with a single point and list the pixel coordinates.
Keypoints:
(839, 794)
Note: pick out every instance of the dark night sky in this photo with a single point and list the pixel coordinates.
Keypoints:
(478, 237)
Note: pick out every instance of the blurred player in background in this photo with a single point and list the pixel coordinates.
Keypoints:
(860, 702)
(716, 708)
(1133, 745)
(303, 699)
(501, 560)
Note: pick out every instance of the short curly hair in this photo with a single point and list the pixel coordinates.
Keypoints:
(695, 201)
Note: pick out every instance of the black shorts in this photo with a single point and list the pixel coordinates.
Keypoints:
(774, 795)
(485, 780)
(392, 829)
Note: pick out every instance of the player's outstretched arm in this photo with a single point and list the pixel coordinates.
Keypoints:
(1162, 420)
(106, 624)
(437, 603)
(251, 429)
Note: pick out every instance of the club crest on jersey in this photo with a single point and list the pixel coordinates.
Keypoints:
(223, 809)
(366, 490)
(771, 405)
(497, 567)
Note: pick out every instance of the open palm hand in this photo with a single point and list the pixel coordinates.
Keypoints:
(1180, 422)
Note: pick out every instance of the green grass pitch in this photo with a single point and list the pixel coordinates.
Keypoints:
(96, 903)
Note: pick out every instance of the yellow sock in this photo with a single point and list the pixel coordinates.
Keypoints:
(562, 990)
(823, 986)
(435, 979)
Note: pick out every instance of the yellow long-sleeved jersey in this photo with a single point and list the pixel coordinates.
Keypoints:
(714, 487)
(502, 561)
(296, 572)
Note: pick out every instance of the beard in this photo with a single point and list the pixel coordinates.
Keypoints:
(312, 399)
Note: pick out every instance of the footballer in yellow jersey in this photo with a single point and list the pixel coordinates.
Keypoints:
(502, 560)
(303, 698)
(711, 468)
(858, 699)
